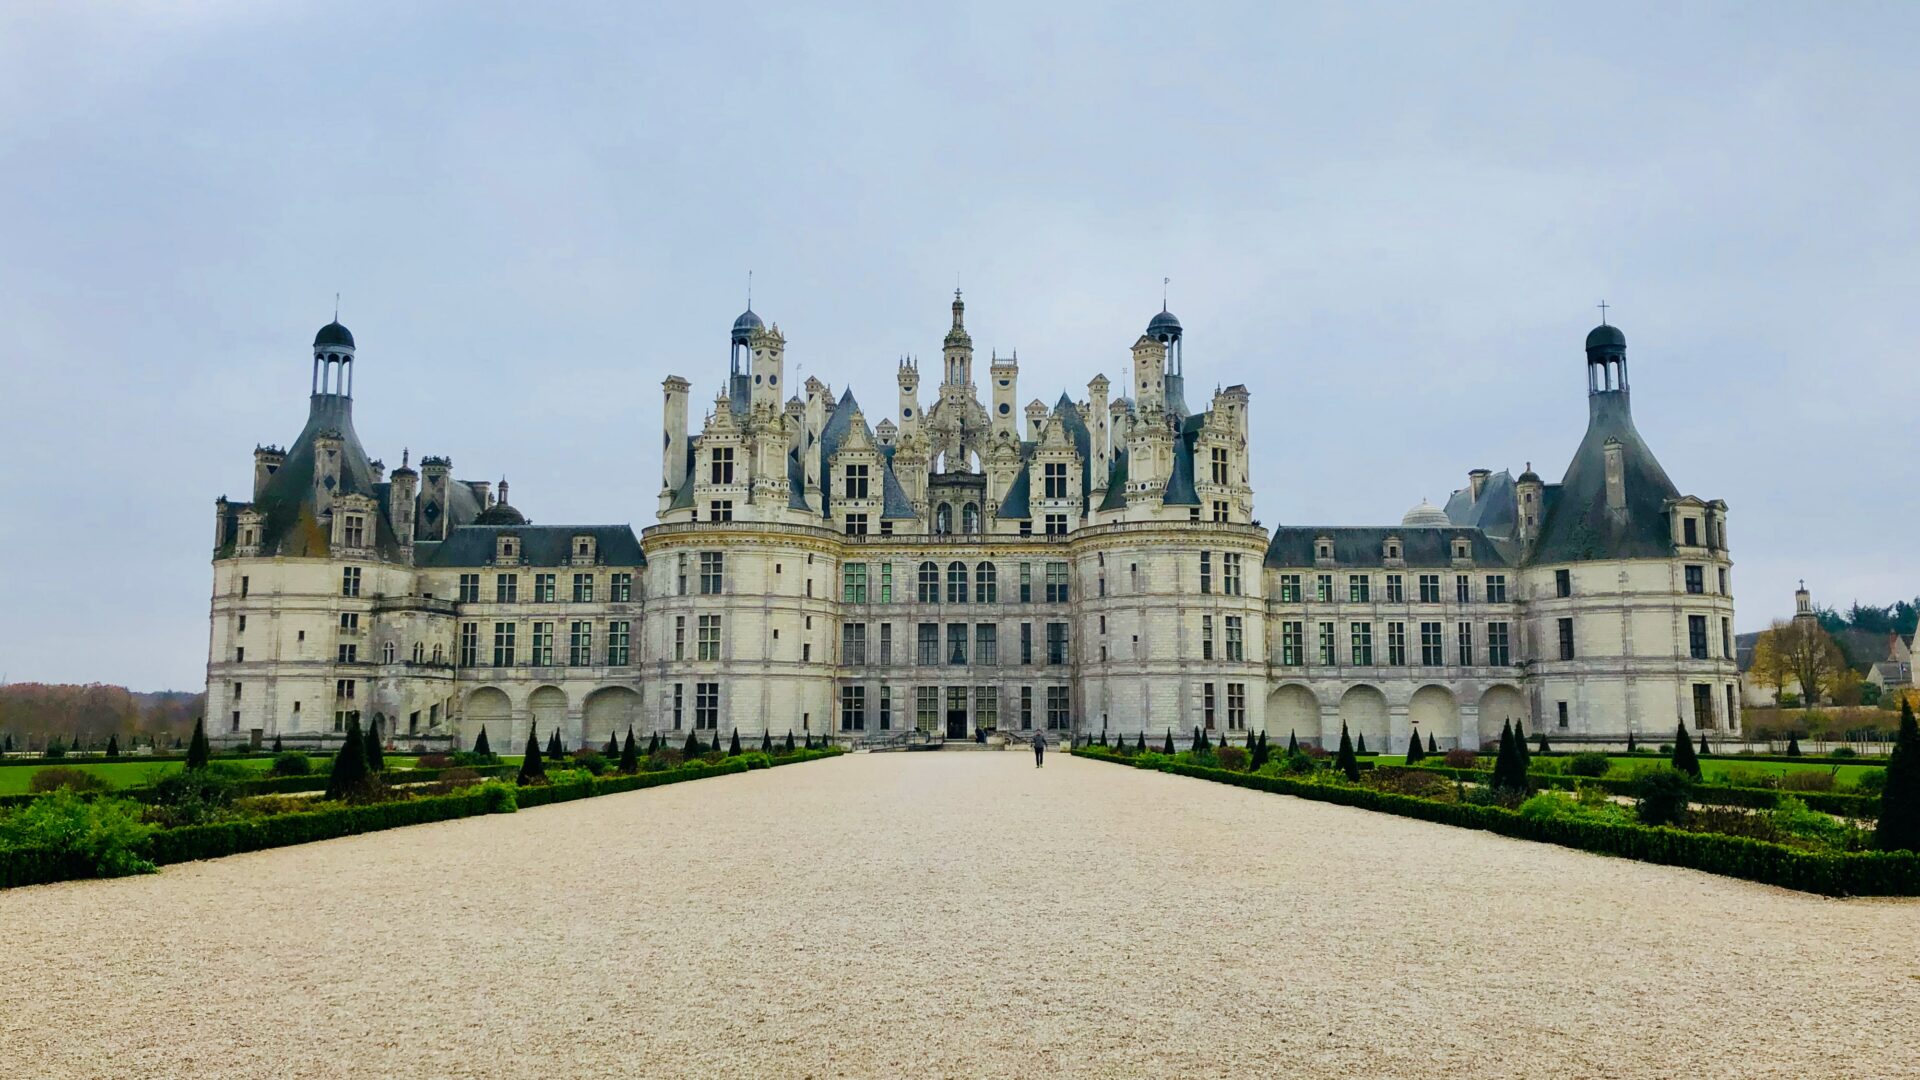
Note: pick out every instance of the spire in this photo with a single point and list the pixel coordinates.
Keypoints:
(959, 311)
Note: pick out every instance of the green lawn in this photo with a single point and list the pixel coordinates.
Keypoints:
(1710, 767)
(135, 773)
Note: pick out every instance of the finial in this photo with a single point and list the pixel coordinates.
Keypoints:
(403, 457)
(1603, 313)
(749, 290)
(1163, 294)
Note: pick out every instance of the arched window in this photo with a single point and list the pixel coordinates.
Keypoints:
(437, 654)
(387, 653)
(986, 584)
(943, 520)
(929, 583)
(956, 583)
(970, 518)
(419, 652)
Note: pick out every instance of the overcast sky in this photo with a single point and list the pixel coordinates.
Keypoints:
(1392, 225)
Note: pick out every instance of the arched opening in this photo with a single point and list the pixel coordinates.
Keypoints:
(986, 583)
(1364, 710)
(956, 583)
(970, 518)
(610, 710)
(1433, 713)
(548, 708)
(1292, 710)
(488, 708)
(943, 519)
(1497, 706)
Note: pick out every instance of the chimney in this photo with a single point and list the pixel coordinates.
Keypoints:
(1477, 481)
(1614, 455)
(266, 461)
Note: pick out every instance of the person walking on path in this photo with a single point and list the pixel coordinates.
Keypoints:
(1039, 751)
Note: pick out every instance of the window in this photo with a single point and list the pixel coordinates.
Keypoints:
(928, 644)
(1055, 474)
(956, 583)
(343, 688)
(355, 530)
(1026, 643)
(342, 717)
(1696, 579)
(349, 654)
(1462, 588)
(1056, 524)
(1499, 651)
(926, 707)
(853, 583)
(506, 588)
(1026, 708)
(1236, 706)
(242, 628)
(1733, 709)
(419, 653)
(1359, 588)
(1323, 588)
(1464, 632)
(1206, 637)
(986, 707)
(1690, 530)
(469, 588)
(1026, 583)
(542, 643)
(244, 581)
(1056, 643)
(1059, 716)
(580, 643)
(1230, 574)
(1396, 589)
(886, 708)
(708, 642)
(240, 655)
(1218, 457)
(1562, 710)
(986, 588)
(1563, 583)
(721, 471)
(621, 588)
(679, 637)
(349, 622)
(1326, 644)
(469, 644)
(1361, 634)
(1289, 588)
(986, 644)
(1726, 641)
(1206, 571)
(713, 567)
(1206, 705)
(1496, 588)
(853, 706)
(886, 643)
(855, 482)
(1397, 644)
(583, 588)
(929, 583)
(956, 643)
(543, 588)
(1432, 651)
(681, 584)
(1566, 639)
(1723, 581)
(1236, 639)
(503, 644)
(706, 706)
(1703, 717)
(350, 581)
(1057, 583)
(679, 704)
(1697, 636)
(1429, 588)
(886, 583)
(856, 524)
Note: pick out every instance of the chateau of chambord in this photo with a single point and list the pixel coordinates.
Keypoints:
(963, 566)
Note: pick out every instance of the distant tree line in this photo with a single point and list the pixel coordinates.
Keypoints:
(33, 714)
(1899, 617)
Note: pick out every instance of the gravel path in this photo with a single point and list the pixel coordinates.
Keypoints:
(949, 915)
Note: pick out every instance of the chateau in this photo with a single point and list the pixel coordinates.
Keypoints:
(972, 566)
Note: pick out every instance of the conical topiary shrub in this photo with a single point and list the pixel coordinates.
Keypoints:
(1141, 746)
(766, 741)
(198, 752)
(1684, 758)
(1414, 750)
(653, 743)
(734, 749)
(1293, 744)
(1432, 747)
(789, 740)
(480, 744)
(613, 745)
(1360, 744)
(1705, 750)
(1630, 746)
(630, 754)
(1543, 748)
(1168, 749)
(1520, 747)
(554, 749)
(349, 777)
(376, 761)
(1899, 828)
(693, 749)
(532, 769)
(1793, 742)
(1344, 761)
(113, 745)
(1509, 768)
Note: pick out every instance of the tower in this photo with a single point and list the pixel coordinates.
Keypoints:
(673, 454)
(1006, 393)
(769, 364)
(400, 501)
(958, 351)
(740, 341)
(909, 377)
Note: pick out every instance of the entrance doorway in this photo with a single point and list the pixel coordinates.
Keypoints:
(956, 712)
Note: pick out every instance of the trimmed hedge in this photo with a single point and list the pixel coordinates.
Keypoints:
(1873, 873)
(272, 785)
(37, 866)
(1827, 802)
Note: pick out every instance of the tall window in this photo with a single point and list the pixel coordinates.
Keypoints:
(1361, 642)
(618, 635)
(350, 581)
(506, 588)
(928, 644)
(1397, 644)
(469, 588)
(1429, 588)
(542, 644)
(926, 707)
(706, 706)
(1206, 572)
(986, 583)
(1396, 588)
(1206, 637)
(853, 583)
(1219, 460)
(1697, 636)
(856, 482)
(986, 644)
(1496, 588)
(929, 583)
(886, 583)
(886, 645)
(580, 643)
(1293, 643)
(621, 588)
(1499, 650)
(708, 641)
(1026, 643)
(886, 708)
(503, 644)
(1059, 714)
(1563, 583)
(956, 583)
(722, 468)
(1462, 588)
(1289, 588)
(1026, 708)
(1359, 588)
(543, 588)
(583, 588)
(679, 637)
(1326, 644)
(1433, 651)
(1236, 706)
(355, 530)
(1323, 588)
(853, 708)
(1464, 631)
(986, 707)
(1056, 480)
(1726, 640)
(1696, 579)
(679, 704)
(1057, 583)
(1236, 639)
(1026, 583)
(1566, 639)
(1056, 643)
(956, 643)
(349, 654)
(1230, 574)
(1206, 705)
(469, 644)
(713, 568)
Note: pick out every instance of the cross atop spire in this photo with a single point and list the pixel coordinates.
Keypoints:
(1603, 313)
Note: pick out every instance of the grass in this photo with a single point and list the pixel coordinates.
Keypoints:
(136, 773)
(1710, 767)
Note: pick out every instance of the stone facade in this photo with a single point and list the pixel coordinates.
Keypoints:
(1083, 568)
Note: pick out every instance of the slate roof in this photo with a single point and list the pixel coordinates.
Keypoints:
(540, 545)
(290, 524)
(1496, 511)
(1366, 546)
(1015, 504)
(1577, 526)
(1116, 498)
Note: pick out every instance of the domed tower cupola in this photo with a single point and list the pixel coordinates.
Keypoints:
(1606, 358)
(1165, 329)
(333, 361)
